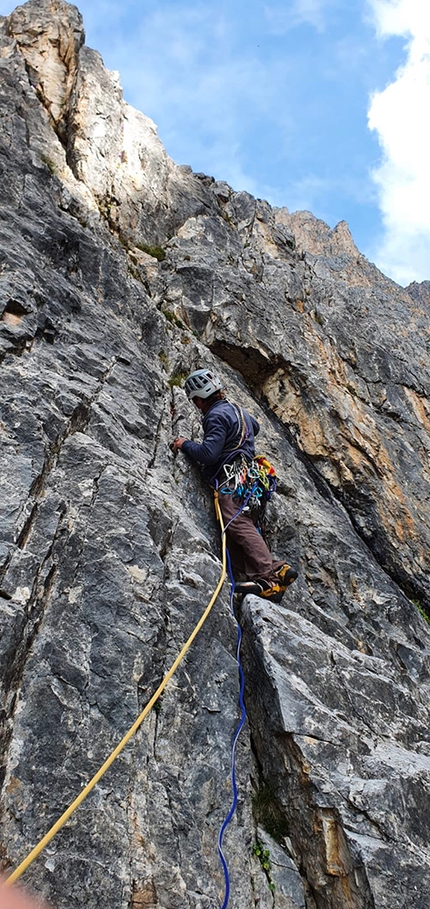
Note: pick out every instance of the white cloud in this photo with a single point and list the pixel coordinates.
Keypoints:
(401, 117)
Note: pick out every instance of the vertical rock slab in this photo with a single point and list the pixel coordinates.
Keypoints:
(49, 34)
(343, 746)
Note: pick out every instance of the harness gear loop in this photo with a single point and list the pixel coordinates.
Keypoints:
(93, 782)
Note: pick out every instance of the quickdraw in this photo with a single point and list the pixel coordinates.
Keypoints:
(254, 480)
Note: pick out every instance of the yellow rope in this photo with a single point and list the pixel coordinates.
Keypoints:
(82, 795)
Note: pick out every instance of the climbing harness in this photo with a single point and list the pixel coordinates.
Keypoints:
(93, 782)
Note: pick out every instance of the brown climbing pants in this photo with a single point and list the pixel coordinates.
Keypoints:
(249, 554)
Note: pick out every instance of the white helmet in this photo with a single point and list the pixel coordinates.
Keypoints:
(201, 384)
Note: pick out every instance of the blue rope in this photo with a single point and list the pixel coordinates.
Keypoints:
(235, 739)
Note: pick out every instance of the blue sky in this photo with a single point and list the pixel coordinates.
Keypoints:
(278, 98)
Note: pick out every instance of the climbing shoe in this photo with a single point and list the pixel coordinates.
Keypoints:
(261, 588)
(272, 592)
(286, 575)
(242, 588)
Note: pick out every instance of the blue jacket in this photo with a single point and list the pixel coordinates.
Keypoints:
(227, 429)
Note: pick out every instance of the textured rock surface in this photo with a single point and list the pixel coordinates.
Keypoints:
(335, 770)
(120, 272)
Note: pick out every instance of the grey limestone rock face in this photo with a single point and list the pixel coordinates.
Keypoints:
(331, 714)
(120, 272)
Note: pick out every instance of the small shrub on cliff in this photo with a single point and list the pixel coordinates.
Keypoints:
(263, 856)
(156, 251)
(49, 163)
(173, 319)
(177, 379)
(268, 813)
(422, 611)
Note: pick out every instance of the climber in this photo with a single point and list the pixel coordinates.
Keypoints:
(228, 444)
